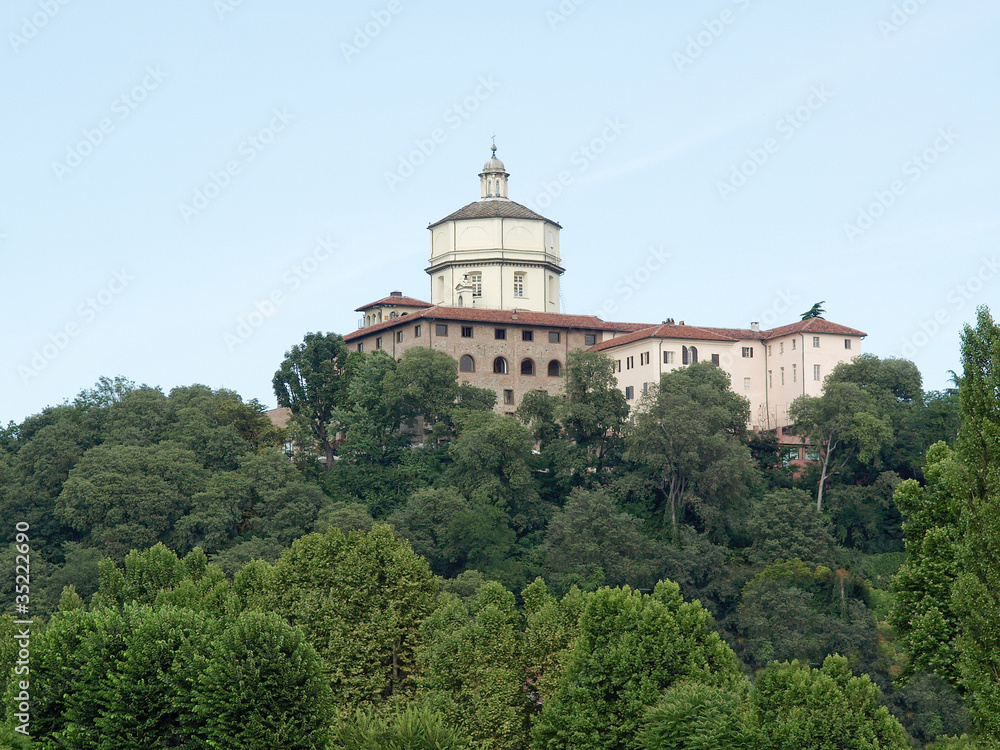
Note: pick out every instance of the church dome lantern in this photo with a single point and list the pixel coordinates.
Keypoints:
(493, 178)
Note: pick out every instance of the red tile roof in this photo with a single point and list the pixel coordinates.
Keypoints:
(813, 325)
(489, 208)
(665, 331)
(394, 300)
(480, 315)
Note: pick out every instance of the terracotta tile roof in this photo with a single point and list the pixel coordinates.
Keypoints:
(279, 416)
(489, 208)
(480, 315)
(664, 331)
(812, 325)
(394, 300)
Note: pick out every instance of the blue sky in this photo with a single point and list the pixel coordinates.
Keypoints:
(191, 187)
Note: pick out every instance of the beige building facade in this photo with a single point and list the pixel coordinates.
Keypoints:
(494, 272)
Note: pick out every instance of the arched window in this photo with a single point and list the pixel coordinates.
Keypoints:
(500, 365)
(527, 367)
(498, 188)
(489, 189)
(466, 364)
(685, 357)
(392, 316)
(555, 369)
(694, 355)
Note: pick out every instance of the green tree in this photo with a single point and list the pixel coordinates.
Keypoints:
(822, 709)
(594, 412)
(630, 649)
(263, 687)
(690, 439)
(591, 539)
(311, 383)
(413, 727)
(360, 599)
(783, 526)
(694, 716)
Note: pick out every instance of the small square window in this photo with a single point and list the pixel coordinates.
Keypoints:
(815, 342)
(590, 339)
(527, 335)
(748, 351)
(466, 332)
(553, 337)
(499, 333)
(508, 397)
(668, 358)
(416, 332)
(441, 329)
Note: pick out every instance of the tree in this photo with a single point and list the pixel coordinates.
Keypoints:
(690, 438)
(263, 687)
(976, 591)
(694, 716)
(630, 649)
(816, 311)
(414, 727)
(845, 417)
(783, 527)
(310, 382)
(590, 539)
(594, 411)
(822, 709)
(360, 599)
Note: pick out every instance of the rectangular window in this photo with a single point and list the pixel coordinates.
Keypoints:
(770, 378)
(629, 392)
(645, 388)
(629, 363)
(508, 397)
(518, 284)
(812, 454)
(618, 362)
(378, 343)
(795, 374)
(847, 343)
(643, 358)
(769, 352)
(747, 352)
(399, 337)
(746, 384)
(553, 337)
(815, 342)
(715, 360)
(793, 344)
(815, 372)
(589, 339)
(527, 335)
(781, 347)
(416, 332)
(476, 282)
(361, 346)
(782, 375)
(466, 332)
(499, 333)
(668, 358)
(441, 329)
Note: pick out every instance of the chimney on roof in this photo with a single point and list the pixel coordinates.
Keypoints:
(681, 323)
(395, 294)
(755, 327)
